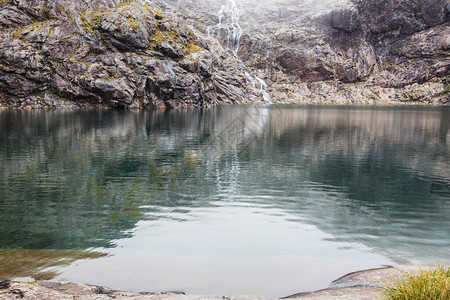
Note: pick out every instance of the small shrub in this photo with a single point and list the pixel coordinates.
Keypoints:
(427, 284)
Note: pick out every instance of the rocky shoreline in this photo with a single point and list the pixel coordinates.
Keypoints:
(366, 284)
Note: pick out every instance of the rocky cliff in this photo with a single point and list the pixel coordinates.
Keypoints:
(344, 51)
(171, 53)
(366, 51)
(59, 53)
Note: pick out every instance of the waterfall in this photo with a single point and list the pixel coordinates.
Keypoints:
(229, 32)
(257, 82)
(110, 3)
(228, 27)
(263, 89)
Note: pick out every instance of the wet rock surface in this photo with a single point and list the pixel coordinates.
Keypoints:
(70, 54)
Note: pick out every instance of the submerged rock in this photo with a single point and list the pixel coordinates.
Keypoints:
(60, 53)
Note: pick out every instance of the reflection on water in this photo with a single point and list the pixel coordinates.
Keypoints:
(209, 201)
(39, 263)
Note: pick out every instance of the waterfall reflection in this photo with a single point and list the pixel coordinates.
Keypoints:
(374, 176)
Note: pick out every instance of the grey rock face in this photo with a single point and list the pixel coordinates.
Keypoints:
(388, 49)
(404, 16)
(60, 53)
(341, 51)
(345, 19)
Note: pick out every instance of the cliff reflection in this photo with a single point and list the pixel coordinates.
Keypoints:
(77, 180)
(39, 264)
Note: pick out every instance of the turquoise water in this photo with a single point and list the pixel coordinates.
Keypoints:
(265, 200)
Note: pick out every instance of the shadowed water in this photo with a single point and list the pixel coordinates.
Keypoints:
(263, 200)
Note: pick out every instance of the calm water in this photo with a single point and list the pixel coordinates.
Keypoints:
(261, 200)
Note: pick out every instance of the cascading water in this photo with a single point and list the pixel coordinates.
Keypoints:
(229, 32)
(110, 3)
(261, 85)
(228, 29)
(263, 88)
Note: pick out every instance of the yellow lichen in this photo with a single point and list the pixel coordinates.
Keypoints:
(67, 14)
(98, 16)
(50, 30)
(159, 14)
(20, 32)
(149, 9)
(87, 26)
(125, 3)
(193, 48)
(163, 36)
(132, 23)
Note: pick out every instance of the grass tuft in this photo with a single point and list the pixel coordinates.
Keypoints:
(427, 284)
